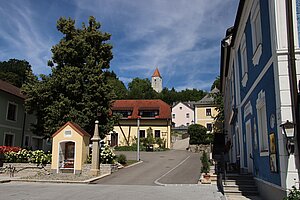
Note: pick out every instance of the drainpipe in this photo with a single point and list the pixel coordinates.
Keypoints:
(292, 67)
(23, 131)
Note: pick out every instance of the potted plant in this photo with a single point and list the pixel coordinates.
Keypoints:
(205, 167)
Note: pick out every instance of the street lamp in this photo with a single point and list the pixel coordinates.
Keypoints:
(138, 139)
(289, 132)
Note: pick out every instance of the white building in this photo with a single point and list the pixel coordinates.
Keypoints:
(182, 114)
(156, 81)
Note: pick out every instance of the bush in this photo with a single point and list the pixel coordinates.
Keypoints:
(107, 156)
(198, 134)
(205, 163)
(133, 147)
(28, 156)
(122, 159)
(294, 194)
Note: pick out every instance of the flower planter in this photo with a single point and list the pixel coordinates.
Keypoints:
(206, 179)
(108, 168)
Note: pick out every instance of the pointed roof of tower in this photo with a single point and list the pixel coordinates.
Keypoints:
(156, 73)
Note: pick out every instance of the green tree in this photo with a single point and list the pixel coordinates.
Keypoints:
(198, 134)
(218, 101)
(14, 71)
(77, 90)
(190, 95)
(141, 89)
(118, 87)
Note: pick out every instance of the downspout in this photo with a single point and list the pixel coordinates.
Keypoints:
(292, 68)
(23, 130)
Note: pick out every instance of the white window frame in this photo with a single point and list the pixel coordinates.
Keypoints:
(262, 124)
(256, 32)
(173, 116)
(208, 131)
(244, 67)
(210, 112)
(68, 135)
(187, 115)
(9, 133)
(16, 111)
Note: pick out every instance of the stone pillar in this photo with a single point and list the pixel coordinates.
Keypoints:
(95, 151)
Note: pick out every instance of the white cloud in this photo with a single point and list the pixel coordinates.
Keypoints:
(180, 37)
(23, 37)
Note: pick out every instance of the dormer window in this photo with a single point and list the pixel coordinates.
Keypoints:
(148, 113)
(123, 113)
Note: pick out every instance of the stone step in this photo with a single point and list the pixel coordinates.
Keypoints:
(237, 197)
(242, 193)
(241, 187)
(239, 177)
(238, 182)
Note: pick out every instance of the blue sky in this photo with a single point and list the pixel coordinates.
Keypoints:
(180, 37)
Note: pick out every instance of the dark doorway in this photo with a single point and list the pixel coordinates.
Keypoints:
(114, 139)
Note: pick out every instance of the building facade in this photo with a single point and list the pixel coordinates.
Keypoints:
(156, 81)
(205, 111)
(154, 117)
(256, 90)
(183, 114)
(15, 123)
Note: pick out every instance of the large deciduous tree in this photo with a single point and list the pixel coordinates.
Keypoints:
(77, 90)
(14, 71)
(141, 89)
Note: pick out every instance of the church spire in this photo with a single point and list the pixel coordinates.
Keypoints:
(156, 73)
(156, 81)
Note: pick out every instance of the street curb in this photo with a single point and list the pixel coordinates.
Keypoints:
(89, 181)
(55, 181)
(137, 163)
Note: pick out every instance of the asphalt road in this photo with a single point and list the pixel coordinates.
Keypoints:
(177, 171)
(158, 168)
(48, 191)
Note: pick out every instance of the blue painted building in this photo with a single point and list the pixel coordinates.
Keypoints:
(255, 86)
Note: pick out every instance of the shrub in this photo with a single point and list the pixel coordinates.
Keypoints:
(24, 156)
(205, 163)
(294, 194)
(198, 134)
(122, 159)
(107, 156)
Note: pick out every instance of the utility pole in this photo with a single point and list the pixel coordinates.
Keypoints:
(138, 139)
(292, 67)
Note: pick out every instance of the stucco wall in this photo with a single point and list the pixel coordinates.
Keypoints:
(180, 115)
(201, 117)
(81, 147)
(130, 126)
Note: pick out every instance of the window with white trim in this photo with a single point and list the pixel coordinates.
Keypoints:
(256, 32)
(187, 115)
(209, 127)
(8, 139)
(12, 109)
(173, 115)
(262, 121)
(244, 63)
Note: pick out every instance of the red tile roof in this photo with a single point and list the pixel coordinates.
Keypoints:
(75, 126)
(136, 105)
(156, 73)
(11, 89)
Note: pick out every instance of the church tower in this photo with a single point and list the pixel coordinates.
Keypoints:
(156, 81)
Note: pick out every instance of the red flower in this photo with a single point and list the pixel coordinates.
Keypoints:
(5, 149)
